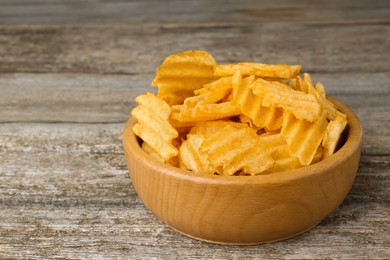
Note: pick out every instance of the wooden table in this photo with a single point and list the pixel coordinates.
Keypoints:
(71, 69)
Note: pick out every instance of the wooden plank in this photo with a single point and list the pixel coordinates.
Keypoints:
(68, 98)
(139, 49)
(355, 231)
(72, 11)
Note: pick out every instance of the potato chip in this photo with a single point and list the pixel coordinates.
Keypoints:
(190, 156)
(326, 105)
(182, 73)
(165, 149)
(276, 94)
(207, 105)
(187, 64)
(153, 127)
(149, 150)
(279, 71)
(174, 92)
(206, 112)
(320, 89)
(154, 104)
(332, 135)
(211, 93)
(208, 128)
(174, 161)
(251, 105)
(303, 137)
(224, 144)
(254, 160)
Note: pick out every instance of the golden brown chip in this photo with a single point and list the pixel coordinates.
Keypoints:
(332, 135)
(153, 126)
(165, 149)
(303, 137)
(182, 73)
(191, 158)
(276, 94)
(208, 128)
(206, 112)
(251, 105)
(279, 71)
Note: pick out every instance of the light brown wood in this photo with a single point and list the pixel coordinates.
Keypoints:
(245, 209)
(69, 71)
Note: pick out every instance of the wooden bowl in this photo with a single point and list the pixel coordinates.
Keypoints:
(245, 209)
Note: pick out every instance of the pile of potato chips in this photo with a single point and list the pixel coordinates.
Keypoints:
(235, 119)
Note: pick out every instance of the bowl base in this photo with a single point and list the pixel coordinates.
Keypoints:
(243, 243)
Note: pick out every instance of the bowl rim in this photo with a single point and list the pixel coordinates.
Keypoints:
(352, 143)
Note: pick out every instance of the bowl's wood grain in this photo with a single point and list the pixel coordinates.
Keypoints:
(245, 209)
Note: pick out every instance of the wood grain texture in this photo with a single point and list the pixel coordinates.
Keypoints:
(69, 71)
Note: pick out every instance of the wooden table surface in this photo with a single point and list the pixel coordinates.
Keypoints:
(69, 71)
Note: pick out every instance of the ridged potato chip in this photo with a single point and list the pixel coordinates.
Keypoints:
(251, 106)
(332, 135)
(279, 71)
(276, 94)
(191, 158)
(236, 119)
(153, 126)
(237, 149)
(182, 73)
(303, 137)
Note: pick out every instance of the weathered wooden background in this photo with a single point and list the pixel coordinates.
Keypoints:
(69, 71)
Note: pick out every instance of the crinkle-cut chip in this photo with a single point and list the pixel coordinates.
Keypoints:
(253, 161)
(188, 64)
(279, 71)
(211, 93)
(320, 95)
(153, 126)
(220, 85)
(241, 88)
(320, 89)
(319, 154)
(165, 149)
(251, 105)
(276, 94)
(175, 91)
(149, 150)
(237, 149)
(226, 143)
(293, 83)
(182, 73)
(303, 137)
(332, 135)
(181, 127)
(260, 157)
(285, 164)
(191, 56)
(248, 121)
(190, 156)
(206, 112)
(152, 120)
(207, 128)
(281, 154)
(154, 104)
